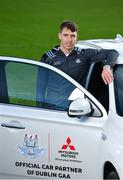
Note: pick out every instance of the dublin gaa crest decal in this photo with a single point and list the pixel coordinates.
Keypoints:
(30, 147)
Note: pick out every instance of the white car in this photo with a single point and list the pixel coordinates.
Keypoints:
(78, 135)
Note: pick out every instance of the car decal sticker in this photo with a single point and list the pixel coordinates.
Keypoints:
(30, 147)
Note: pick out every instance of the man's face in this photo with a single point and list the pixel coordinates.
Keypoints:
(68, 39)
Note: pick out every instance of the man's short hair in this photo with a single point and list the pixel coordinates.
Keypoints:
(70, 25)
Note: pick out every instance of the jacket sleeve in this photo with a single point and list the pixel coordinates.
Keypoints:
(47, 56)
(44, 58)
(106, 56)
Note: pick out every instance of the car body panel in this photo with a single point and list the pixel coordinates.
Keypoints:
(53, 131)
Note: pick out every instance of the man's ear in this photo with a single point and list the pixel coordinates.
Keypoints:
(59, 36)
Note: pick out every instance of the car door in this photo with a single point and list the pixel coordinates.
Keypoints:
(38, 137)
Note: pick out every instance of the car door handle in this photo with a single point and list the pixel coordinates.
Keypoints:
(12, 125)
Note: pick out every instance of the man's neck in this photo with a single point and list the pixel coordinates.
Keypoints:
(66, 51)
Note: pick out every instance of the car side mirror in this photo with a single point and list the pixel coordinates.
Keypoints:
(80, 107)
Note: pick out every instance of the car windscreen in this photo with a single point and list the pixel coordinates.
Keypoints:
(118, 88)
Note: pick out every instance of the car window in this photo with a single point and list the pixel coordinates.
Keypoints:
(118, 88)
(21, 83)
(97, 87)
(53, 90)
(31, 85)
(3, 84)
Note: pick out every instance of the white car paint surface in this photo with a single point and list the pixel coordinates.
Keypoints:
(75, 135)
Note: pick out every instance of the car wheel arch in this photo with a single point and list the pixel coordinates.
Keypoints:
(109, 168)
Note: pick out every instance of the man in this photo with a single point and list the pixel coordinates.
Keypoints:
(53, 90)
(75, 61)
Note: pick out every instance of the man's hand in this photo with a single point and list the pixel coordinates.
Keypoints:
(107, 75)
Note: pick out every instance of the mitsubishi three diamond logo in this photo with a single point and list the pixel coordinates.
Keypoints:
(68, 151)
(68, 145)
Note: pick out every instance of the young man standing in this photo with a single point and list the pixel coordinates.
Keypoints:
(75, 61)
(53, 91)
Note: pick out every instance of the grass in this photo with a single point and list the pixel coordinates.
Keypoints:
(28, 28)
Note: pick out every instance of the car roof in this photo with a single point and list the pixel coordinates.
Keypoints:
(116, 44)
